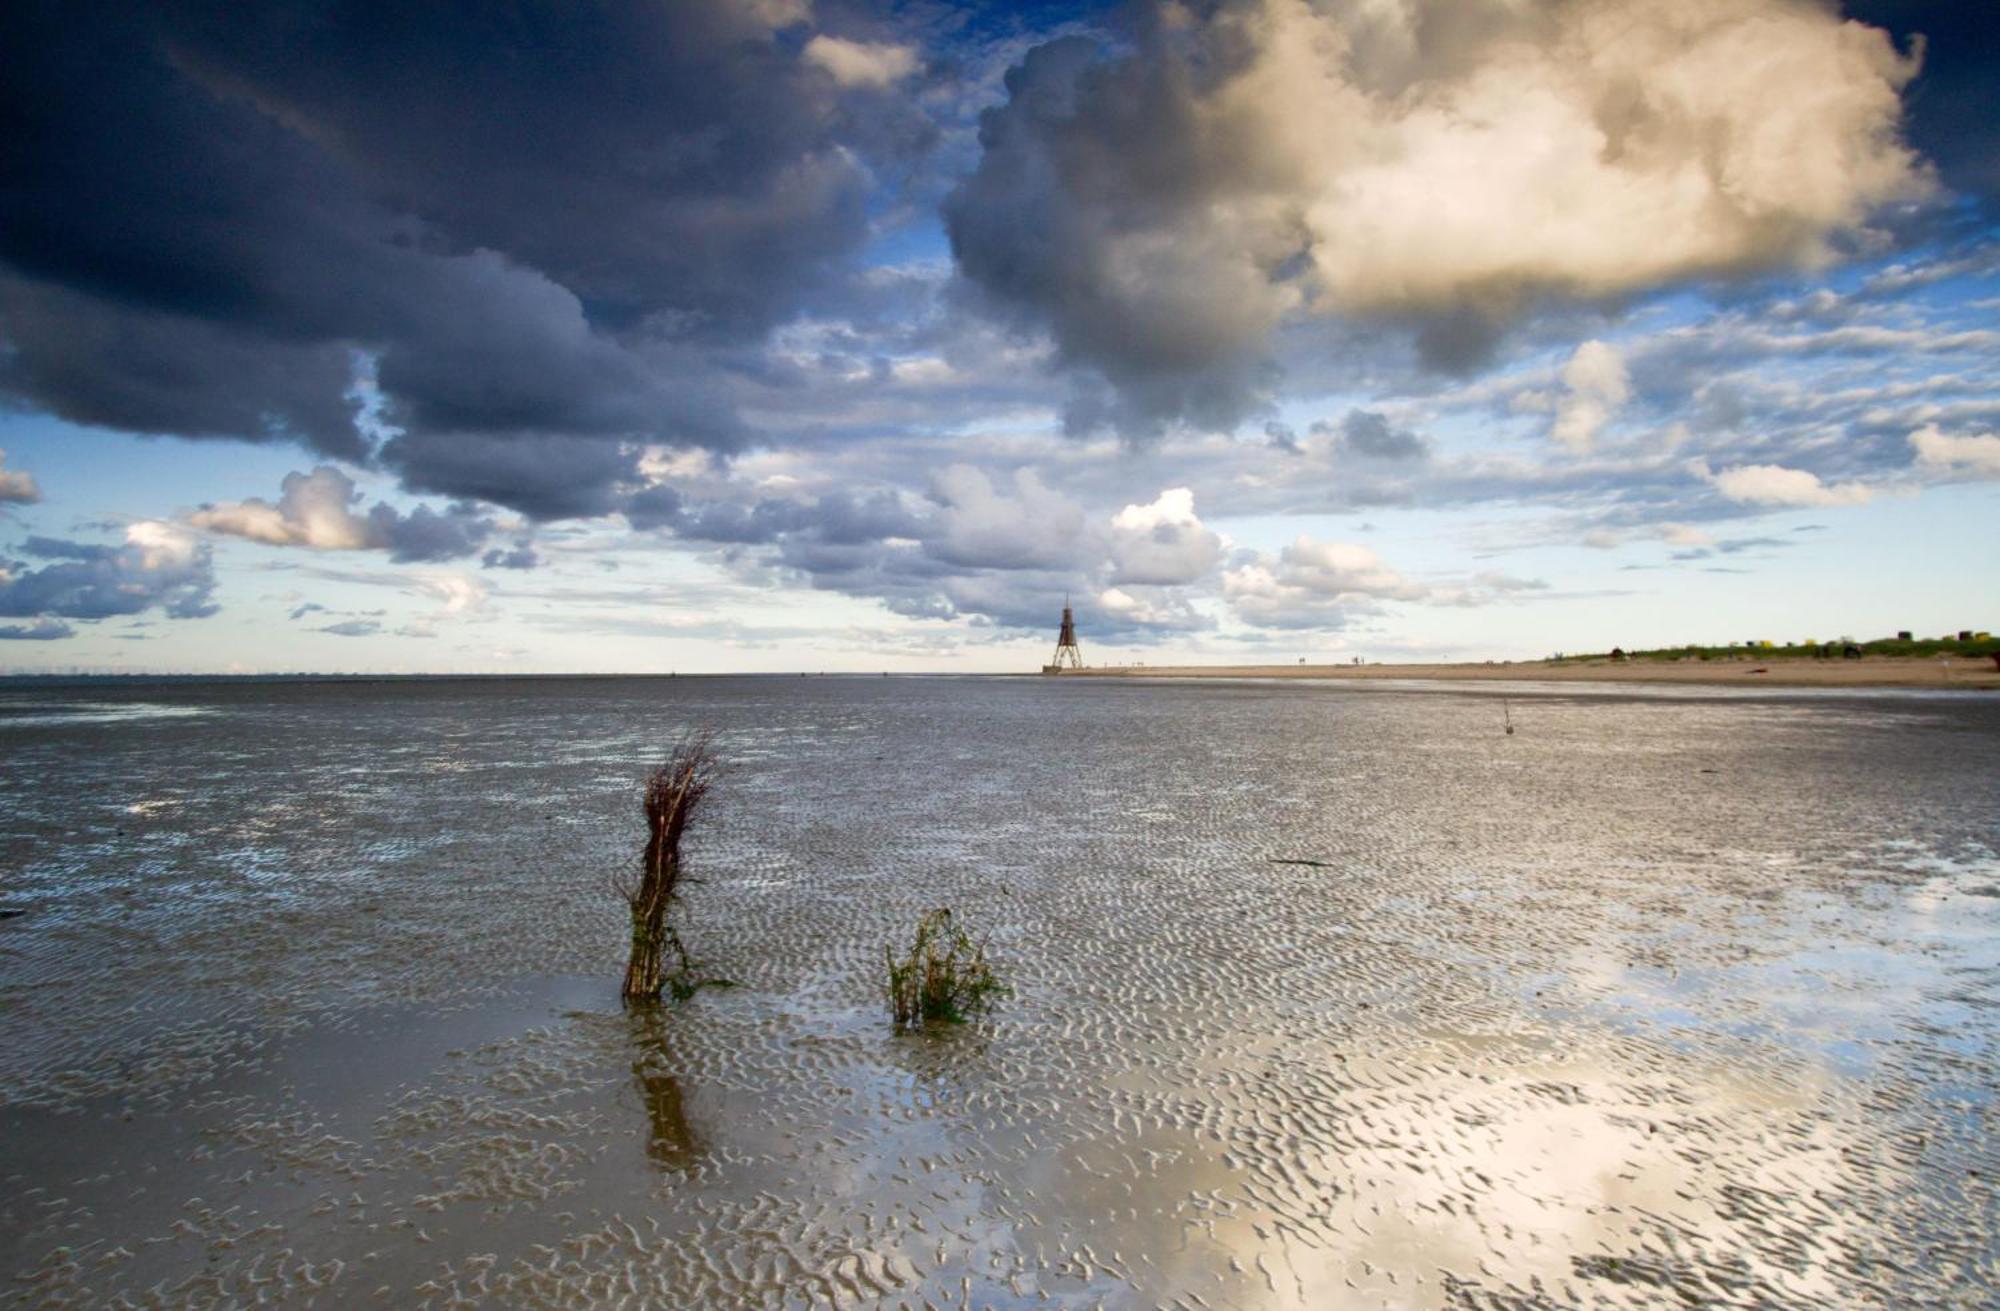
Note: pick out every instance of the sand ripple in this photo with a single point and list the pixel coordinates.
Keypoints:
(1322, 998)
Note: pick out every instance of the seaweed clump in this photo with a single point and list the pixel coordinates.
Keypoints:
(944, 977)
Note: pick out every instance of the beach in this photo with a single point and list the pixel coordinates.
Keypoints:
(1871, 671)
(1319, 996)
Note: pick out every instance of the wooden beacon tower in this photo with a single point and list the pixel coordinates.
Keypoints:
(1068, 654)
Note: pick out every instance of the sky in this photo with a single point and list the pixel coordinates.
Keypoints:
(772, 335)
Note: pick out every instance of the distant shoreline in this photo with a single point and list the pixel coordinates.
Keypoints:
(1871, 671)
(1780, 671)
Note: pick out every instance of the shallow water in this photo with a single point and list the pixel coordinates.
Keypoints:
(1323, 996)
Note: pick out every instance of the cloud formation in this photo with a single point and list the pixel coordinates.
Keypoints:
(861, 63)
(1022, 524)
(42, 630)
(159, 565)
(1159, 211)
(318, 222)
(682, 274)
(520, 556)
(318, 510)
(1976, 456)
(1771, 484)
(1163, 544)
(1314, 584)
(1327, 585)
(353, 628)
(1595, 386)
(1951, 101)
(1370, 435)
(995, 545)
(17, 486)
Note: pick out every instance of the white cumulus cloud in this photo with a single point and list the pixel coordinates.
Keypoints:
(314, 509)
(1680, 534)
(1447, 161)
(1165, 612)
(1314, 584)
(1978, 455)
(1596, 387)
(17, 485)
(861, 63)
(1163, 543)
(1026, 525)
(456, 594)
(1594, 148)
(1772, 484)
(320, 511)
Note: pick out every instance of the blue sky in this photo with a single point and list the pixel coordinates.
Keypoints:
(777, 335)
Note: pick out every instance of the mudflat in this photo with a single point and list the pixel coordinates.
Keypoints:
(1322, 996)
(1871, 671)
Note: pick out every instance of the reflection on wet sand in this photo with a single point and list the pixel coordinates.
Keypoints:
(1320, 999)
(670, 1140)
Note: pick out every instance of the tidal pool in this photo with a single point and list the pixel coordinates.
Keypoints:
(1323, 996)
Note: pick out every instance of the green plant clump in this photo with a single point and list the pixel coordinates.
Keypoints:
(944, 977)
(1976, 648)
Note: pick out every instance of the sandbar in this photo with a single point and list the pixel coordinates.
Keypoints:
(1870, 671)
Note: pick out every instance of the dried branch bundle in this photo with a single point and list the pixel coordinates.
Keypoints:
(674, 793)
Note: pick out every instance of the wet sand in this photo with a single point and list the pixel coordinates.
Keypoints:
(1873, 671)
(1323, 997)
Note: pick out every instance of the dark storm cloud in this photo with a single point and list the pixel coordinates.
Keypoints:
(425, 534)
(1461, 339)
(521, 556)
(157, 566)
(654, 507)
(835, 519)
(127, 367)
(1365, 432)
(1083, 152)
(654, 158)
(42, 630)
(525, 222)
(543, 475)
